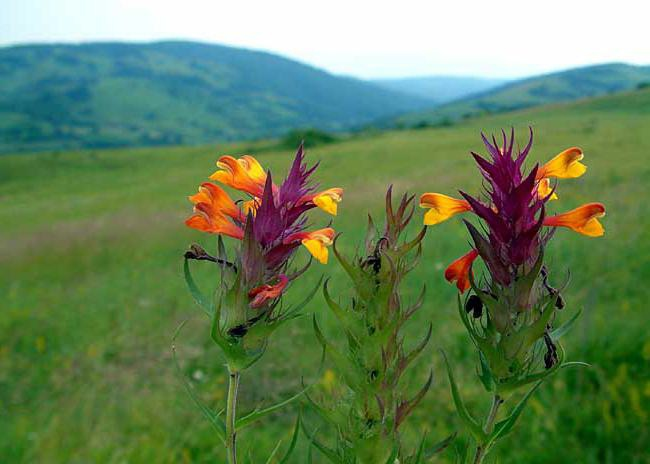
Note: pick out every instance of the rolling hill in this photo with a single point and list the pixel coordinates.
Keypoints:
(127, 94)
(440, 89)
(561, 86)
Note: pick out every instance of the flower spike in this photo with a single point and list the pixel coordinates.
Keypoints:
(513, 306)
(270, 226)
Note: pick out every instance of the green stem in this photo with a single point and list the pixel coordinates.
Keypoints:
(483, 448)
(231, 433)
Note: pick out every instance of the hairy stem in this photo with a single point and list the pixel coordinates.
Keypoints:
(231, 433)
(482, 448)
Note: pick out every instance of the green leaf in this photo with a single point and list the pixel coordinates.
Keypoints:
(469, 421)
(420, 454)
(405, 408)
(291, 312)
(214, 418)
(350, 320)
(564, 328)
(485, 375)
(504, 427)
(511, 385)
(294, 440)
(274, 453)
(393, 455)
(206, 304)
(350, 371)
(328, 452)
(440, 446)
(575, 364)
(257, 413)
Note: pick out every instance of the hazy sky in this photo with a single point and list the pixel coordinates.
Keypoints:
(495, 38)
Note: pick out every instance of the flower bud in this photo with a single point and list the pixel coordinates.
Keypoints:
(475, 306)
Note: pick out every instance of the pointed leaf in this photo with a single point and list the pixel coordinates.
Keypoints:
(485, 375)
(214, 418)
(406, 407)
(467, 419)
(564, 328)
(257, 413)
(294, 440)
(274, 453)
(440, 446)
(329, 453)
(504, 427)
(205, 303)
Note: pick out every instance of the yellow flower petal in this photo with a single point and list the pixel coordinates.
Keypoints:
(317, 248)
(442, 207)
(328, 200)
(565, 165)
(583, 220)
(544, 189)
(244, 174)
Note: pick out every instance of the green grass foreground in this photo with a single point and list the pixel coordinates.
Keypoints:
(92, 290)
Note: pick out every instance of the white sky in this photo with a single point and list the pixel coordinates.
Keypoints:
(496, 38)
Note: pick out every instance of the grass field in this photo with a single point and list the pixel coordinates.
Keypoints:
(91, 292)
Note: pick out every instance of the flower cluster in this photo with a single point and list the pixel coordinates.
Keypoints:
(513, 212)
(270, 223)
(513, 307)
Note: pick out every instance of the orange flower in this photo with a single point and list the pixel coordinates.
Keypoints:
(244, 174)
(328, 200)
(583, 219)
(316, 242)
(209, 219)
(544, 189)
(251, 206)
(218, 199)
(566, 165)
(260, 295)
(459, 270)
(441, 207)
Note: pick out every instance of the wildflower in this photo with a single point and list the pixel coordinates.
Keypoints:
(583, 220)
(441, 207)
(260, 295)
(269, 226)
(316, 242)
(545, 190)
(244, 174)
(565, 165)
(328, 200)
(515, 208)
(277, 212)
(459, 270)
(513, 306)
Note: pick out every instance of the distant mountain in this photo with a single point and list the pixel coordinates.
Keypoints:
(440, 89)
(569, 85)
(117, 94)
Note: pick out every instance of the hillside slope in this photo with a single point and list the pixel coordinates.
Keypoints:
(116, 94)
(440, 89)
(562, 86)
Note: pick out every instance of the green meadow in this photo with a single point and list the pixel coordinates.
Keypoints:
(92, 291)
